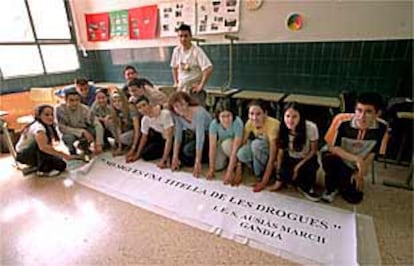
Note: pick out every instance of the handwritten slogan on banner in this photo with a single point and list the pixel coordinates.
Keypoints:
(280, 224)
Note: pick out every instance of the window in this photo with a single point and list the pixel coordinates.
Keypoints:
(35, 38)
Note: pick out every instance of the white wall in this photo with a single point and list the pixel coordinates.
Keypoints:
(329, 20)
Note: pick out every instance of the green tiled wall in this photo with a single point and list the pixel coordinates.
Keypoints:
(318, 68)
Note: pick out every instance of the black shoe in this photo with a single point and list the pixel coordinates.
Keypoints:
(310, 195)
(29, 170)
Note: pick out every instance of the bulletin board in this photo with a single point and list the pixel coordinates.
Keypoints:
(218, 16)
(119, 24)
(172, 15)
(267, 24)
(97, 27)
(143, 22)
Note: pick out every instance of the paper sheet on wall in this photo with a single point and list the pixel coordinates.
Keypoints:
(119, 24)
(172, 15)
(143, 22)
(97, 27)
(218, 16)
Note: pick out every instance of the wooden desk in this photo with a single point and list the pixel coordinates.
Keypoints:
(408, 184)
(109, 84)
(405, 115)
(275, 97)
(214, 93)
(219, 92)
(254, 95)
(331, 102)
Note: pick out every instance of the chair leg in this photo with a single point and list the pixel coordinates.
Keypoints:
(373, 172)
(9, 142)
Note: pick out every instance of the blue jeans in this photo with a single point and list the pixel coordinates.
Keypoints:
(255, 154)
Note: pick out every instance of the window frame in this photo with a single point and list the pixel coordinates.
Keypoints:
(38, 42)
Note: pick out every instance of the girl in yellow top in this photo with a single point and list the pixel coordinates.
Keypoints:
(259, 145)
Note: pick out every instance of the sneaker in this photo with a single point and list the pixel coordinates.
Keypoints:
(329, 196)
(29, 170)
(52, 173)
(310, 195)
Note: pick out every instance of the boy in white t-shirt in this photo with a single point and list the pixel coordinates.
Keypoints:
(157, 128)
(191, 68)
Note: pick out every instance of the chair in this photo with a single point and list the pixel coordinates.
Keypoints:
(38, 96)
(26, 170)
(7, 138)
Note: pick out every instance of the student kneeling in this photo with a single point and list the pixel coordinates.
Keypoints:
(157, 128)
(297, 161)
(352, 142)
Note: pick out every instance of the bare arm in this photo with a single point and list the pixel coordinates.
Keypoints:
(206, 74)
(233, 156)
(168, 133)
(212, 151)
(270, 162)
(175, 75)
(137, 133)
(344, 154)
(311, 153)
(44, 146)
(142, 141)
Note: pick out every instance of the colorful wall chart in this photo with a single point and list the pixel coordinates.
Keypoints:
(218, 16)
(172, 15)
(119, 24)
(143, 22)
(97, 27)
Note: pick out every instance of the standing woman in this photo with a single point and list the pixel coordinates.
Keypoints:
(35, 147)
(225, 137)
(125, 124)
(259, 145)
(297, 160)
(191, 120)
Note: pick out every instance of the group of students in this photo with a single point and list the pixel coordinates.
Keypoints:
(179, 131)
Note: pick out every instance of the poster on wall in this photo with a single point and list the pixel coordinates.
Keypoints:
(143, 22)
(172, 15)
(218, 16)
(97, 27)
(119, 24)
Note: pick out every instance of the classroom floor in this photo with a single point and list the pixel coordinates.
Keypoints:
(49, 221)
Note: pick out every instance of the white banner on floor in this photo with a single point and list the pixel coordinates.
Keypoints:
(293, 228)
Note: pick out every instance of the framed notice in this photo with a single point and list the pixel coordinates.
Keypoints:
(218, 16)
(119, 24)
(172, 15)
(143, 22)
(97, 27)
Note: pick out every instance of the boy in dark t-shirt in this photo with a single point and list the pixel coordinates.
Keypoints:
(352, 140)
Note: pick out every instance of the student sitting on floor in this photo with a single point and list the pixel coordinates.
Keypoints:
(259, 145)
(191, 132)
(157, 132)
(101, 110)
(125, 124)
(352, 140)
(297, 159)
(225, 135)
(74, 124)
(138, 88)
(35, 148)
